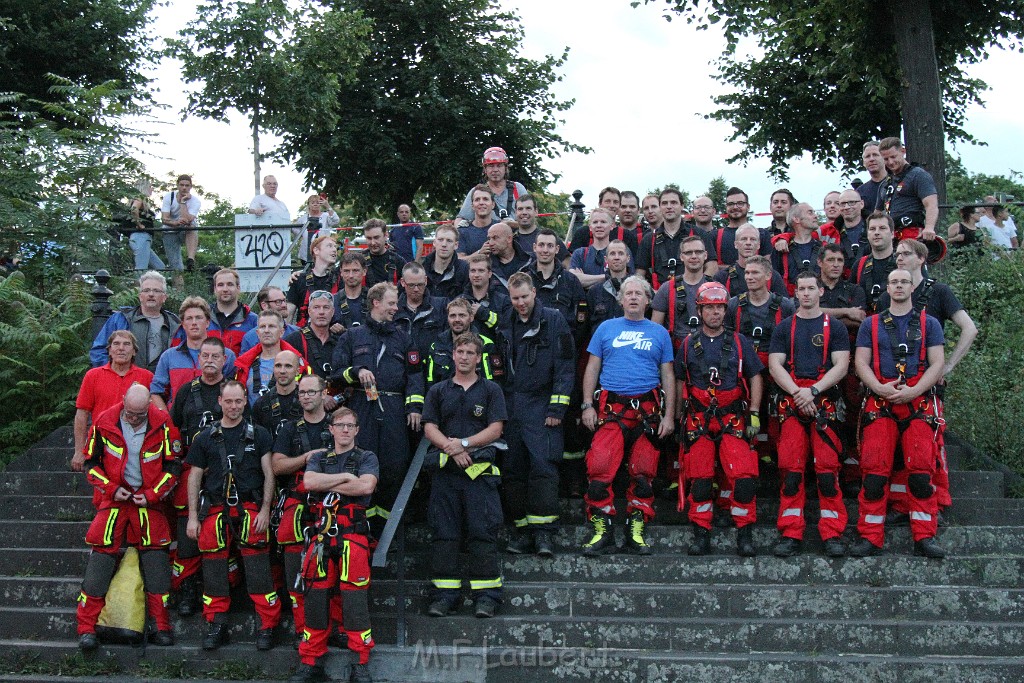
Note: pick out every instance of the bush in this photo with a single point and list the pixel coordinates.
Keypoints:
(42, 359)
(985, 396)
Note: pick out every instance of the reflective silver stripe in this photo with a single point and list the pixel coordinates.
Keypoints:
(874, 519)
(830, 514)
(851, 461)
(792, 512)
(725, 494)
(897, 488)
(704, 507)
(920, 516)
(741, 512)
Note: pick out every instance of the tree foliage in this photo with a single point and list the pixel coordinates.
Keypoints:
(42, 358)
(443, 81)
(278, 63)
(827, 75)
(66, 167)
(88, 42)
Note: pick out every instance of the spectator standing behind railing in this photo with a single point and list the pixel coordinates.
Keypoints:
(267, 204)
(318, 219)
(179, 210)
(139, 226)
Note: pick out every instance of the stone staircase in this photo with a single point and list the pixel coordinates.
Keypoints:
(666, 617)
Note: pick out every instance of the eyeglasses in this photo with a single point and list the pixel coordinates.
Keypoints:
(900, 282)
(136, 413)
(345, 426)
(152, 291)
(321, 294)
(855, 202)
(277, 301)
(308, 392)
(734, 204)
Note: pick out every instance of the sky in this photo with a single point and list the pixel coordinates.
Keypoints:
(642, 87)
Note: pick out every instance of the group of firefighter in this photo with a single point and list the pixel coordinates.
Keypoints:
(829, 373)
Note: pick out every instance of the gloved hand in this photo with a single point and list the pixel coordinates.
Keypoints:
(753, 425)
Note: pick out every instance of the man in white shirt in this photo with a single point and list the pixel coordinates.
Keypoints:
(179, 210)
(267, 204)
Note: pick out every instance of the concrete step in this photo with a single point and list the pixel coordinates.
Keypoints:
(888, 569)
(688, 633)
(439, 663)
(42, 661)
(969, 540)
(978, 511)
(56, 483)
(569, 598)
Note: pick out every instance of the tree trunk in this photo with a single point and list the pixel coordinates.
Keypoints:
(921, 92)
(256, 148)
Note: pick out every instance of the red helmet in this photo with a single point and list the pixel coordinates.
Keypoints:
(712, 293)
(495, 155)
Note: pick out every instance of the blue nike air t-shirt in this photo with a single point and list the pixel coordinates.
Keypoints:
(631, 353)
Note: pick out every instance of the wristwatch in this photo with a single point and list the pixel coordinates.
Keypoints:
(465, 443)
(814, 391)
(584, 406)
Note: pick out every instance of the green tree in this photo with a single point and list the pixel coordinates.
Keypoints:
(279, 64)
(88, 42)
(443, 81)
(64, 178)
(827, 75)
(716, 192)
(42, 358)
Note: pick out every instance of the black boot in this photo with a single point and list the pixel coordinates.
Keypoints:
(188, 597)
(701, 541)
(635, 542)
(309, 673)
(216, 636)
(542, 540)
(603, 540)
(521, 542)
(745, 542)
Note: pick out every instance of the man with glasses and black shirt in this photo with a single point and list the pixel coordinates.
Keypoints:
(296, 442)
(347, 477)
(723, 247)
(675, 303)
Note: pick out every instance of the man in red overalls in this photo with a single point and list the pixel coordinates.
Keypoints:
(719, 384)
(132, 465)
(899, 358)
(808, 357)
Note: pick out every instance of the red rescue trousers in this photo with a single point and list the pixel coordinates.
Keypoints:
(878, 446)
(800, 437)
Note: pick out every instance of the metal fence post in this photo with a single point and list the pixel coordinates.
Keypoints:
(576, 216)
(100, 301)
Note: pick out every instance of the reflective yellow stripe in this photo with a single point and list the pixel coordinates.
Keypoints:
(447, 583)
(443, 459)
(177, 569)
(144, 525)
(560, 399)
(541, 519)
(297, 521)
(521, 522)
(167, 441)
(108, 530)
(383, 512)
(366, 635)
(476, 469)
(96, 473)
(166, 478)
(343, 561)
(413, 398)
(492, 319)
(207, 600)
(480, 584)
(116, 450)
(348, 376)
